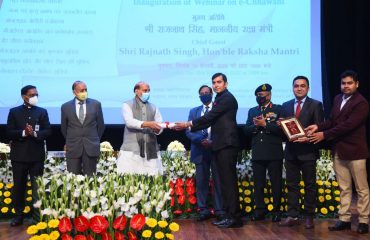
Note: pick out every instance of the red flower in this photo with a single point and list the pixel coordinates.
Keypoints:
(66, 237)
(89, 237)
(106, 236)
(120, 223)
(179, 182)
(172, 184)
(190, 182)
(172, 191)
(190, 190)
(80, 237)
(179, 191)
(131, 236)
(81, 223)
(172, 201)
(192, 199)
(119, 236)
(177, 212)
(65, 225)
(188, 210)
(98, 224)
(137, 222)
(181, 199)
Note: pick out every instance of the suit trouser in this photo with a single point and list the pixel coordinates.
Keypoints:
(225, 162)
(21, 170)
(203, 170)
(345, 171)
(274, 168)
(83, 165)
(293, 178)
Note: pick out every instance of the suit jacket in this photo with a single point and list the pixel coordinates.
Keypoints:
(311, 113)
(222, 120)
(82, 136)
(347, 127)
(267, 142)
(198, 152)
(27, 149)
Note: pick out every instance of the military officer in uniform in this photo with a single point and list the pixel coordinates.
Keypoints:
(267, 150)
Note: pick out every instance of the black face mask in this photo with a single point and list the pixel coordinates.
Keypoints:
(261, 100)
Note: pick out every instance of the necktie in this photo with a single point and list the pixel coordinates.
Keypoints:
(81, 116)
(298, 109)
(205, 131)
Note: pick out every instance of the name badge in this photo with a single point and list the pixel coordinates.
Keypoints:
(37, 128)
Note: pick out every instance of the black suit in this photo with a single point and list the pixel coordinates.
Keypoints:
(267, 154)
(27, 152)
(225, 146)
(302, 157)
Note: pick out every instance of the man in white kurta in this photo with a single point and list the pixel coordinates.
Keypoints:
(139, 152)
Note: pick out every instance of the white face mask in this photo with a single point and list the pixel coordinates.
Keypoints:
(33, 100)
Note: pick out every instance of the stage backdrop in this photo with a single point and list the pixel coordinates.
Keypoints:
(174, 45)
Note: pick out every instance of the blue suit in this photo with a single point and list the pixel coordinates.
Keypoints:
(202, 158)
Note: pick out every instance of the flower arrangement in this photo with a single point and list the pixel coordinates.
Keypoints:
(100, 206)
(181, 172)
(328, 199)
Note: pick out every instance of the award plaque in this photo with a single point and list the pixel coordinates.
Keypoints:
(292, 128)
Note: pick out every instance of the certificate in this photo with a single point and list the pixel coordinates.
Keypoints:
(292, 128)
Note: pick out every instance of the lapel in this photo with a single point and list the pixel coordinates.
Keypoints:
(291, 107)
(305, 108)
(199, 111)
(346, 106)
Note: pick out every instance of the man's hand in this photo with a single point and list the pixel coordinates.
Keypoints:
(206, 143)
(181, 126)
(316, 137)
(301, 140)
(259, 121)
(152, 125)
(311, 129)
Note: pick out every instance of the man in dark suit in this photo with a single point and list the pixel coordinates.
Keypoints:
(267, 150)
(82, 125)
(201, 156)
(301, 155)
(27, 127)
(346, 128)
(225, 147)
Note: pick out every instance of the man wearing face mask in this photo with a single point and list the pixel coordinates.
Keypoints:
(139, 151)
(82, 126)
(27, 128)
(267, 150)
(201, 156)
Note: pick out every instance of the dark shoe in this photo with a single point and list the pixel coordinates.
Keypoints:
(17, 221)
(340, 225)
(309, 223)
(258, 217)
(289, 222)
(276, 217)
(231, 223)
(218, 221)
(363, 228)
(202, 217)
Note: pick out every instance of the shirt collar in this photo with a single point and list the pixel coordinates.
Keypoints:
(302, 101)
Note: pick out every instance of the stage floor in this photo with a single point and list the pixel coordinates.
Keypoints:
(264, 230)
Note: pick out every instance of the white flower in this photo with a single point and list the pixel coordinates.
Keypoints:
(37, 204)
(176, 146)
(164, 214)
(4, 148)
(106, 147)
